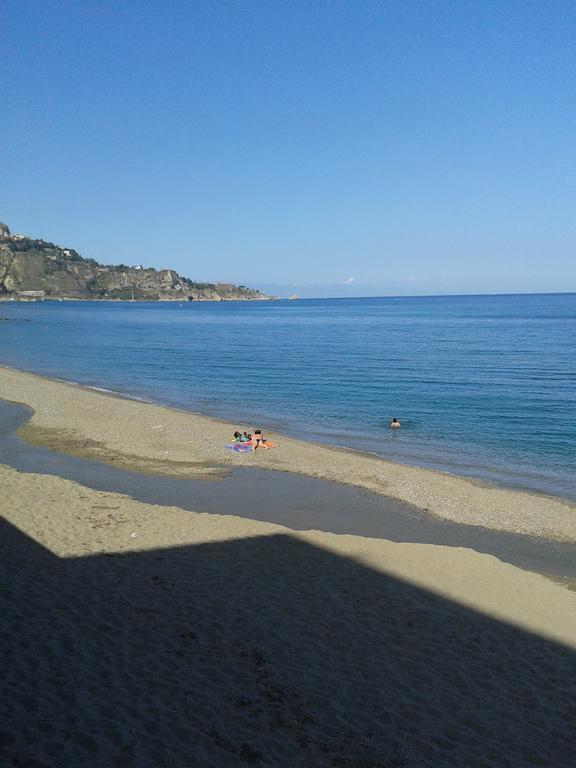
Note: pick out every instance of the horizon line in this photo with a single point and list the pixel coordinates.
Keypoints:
(429, 295)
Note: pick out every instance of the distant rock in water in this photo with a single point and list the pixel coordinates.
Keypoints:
(36, 269)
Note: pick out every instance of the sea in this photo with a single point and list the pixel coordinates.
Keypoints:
(484, 386)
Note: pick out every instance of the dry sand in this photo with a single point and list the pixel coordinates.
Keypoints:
(140, 635)
(163, 440)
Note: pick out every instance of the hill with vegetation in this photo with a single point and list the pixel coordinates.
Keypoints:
(35, 269)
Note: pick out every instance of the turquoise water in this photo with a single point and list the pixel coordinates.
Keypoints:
(484, 386)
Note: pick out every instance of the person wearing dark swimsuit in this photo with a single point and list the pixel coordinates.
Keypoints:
(258, 439)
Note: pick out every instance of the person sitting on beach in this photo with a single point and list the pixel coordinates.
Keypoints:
(258, 439)
(237, 437)
(395, 424)
(246, 437)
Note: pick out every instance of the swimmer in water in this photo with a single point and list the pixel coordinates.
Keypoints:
(394, 424)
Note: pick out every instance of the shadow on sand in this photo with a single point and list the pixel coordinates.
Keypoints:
(264, 651)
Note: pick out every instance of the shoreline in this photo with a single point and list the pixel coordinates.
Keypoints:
(144, 633)
(455, 436)
(24, 300)
(370, 455)
(296, 502)
(159, 439)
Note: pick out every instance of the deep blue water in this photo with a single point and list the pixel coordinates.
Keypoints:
(484, 386)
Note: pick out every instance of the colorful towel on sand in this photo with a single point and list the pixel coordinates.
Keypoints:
(240, 447)
(247, 446)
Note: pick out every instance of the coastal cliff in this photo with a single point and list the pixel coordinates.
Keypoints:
(36, 269)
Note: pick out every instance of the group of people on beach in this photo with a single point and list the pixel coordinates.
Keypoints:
(256, 441)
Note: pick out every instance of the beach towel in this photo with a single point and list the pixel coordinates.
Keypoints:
(240, 447)
(247, 446)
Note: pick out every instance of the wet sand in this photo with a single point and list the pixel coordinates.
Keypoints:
(297, 502)
(170, 442)
(139, 633)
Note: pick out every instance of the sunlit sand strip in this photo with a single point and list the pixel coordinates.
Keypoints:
(72, 521)
(156, 439)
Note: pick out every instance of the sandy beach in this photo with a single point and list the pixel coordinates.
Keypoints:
(145, 635)
(168, 441)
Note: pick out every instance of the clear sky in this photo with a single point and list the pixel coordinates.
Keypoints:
(325, 148)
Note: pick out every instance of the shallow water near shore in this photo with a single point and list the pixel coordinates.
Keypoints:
(485, 386)
(296, 502)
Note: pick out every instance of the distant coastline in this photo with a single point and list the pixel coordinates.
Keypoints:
(111, 300)
(36, 270)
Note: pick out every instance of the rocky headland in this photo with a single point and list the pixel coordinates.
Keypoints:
(37, 269)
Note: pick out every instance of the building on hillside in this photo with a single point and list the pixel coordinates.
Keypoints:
(31, 294)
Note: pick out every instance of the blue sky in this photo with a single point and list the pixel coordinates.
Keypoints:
(324, 148)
